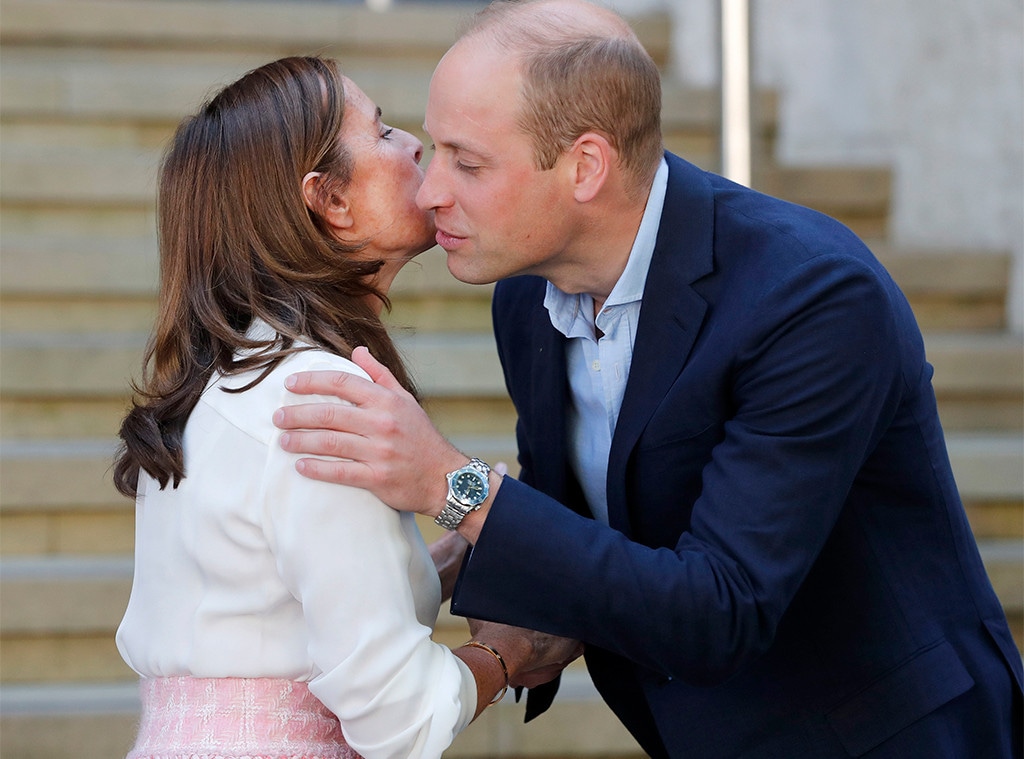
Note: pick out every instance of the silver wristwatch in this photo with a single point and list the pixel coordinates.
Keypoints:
(467, 489)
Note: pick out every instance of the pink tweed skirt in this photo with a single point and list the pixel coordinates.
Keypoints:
(235, 718)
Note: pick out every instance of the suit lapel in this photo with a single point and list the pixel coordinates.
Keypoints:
(670, 317)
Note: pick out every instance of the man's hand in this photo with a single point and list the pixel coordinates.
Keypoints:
(390, 445)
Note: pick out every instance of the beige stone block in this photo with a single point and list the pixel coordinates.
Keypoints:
(428, 274)
(454, 364)
(996, 519)
(964, 272)
(989, 412)
(80, 266)
(263, 24)
(157, 87)
(97, 365)
(37, 131)
(480, 416)
(51, 315)
(950, 313)
(67, 736)
(568, 728)
(24, 534)
(86, 221)
(70, 658)
(59, 418)
(1016, 620)
(101, 533)
(851, 190)
(30, 468)
(58, 174)
(988, 466)
(63, 598)
(1004, 562)
(438, 314)
(68, 530)
(965, 362)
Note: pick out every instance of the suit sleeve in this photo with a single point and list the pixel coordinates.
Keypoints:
(815, 377)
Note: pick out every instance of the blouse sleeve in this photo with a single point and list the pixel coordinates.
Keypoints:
(348, 559)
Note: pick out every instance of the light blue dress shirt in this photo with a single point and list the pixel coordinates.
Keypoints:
(598, 368)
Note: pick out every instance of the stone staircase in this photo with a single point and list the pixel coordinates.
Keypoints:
(91, 89)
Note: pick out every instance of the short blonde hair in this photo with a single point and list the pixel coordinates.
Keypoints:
(581, 73)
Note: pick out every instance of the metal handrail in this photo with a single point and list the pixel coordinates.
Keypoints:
(736, 91)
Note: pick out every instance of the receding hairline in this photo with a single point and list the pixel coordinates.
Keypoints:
(546, 21)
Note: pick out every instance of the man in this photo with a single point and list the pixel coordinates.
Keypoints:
(764, 550)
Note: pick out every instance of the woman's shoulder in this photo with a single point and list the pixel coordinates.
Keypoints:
(252, 409)
(316, 359)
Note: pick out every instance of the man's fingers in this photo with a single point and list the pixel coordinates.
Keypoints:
(379, 373)
(312, 416)
(345, 385)
(340, 472)
(323, 443)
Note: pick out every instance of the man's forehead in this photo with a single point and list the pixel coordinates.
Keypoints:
(466, 99)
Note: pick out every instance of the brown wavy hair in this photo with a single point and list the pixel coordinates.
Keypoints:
(238, 243)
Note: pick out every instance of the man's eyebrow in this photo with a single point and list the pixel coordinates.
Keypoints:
(379, 114)
(456, 146)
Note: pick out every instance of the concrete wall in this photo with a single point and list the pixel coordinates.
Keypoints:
(932, 88)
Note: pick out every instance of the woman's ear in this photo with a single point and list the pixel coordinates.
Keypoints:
(329, 206)
(592, 160)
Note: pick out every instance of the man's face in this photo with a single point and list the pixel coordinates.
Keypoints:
(497, 215)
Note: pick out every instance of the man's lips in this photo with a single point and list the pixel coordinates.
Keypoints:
(447, 240)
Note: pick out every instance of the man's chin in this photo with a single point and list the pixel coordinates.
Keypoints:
(466, 274)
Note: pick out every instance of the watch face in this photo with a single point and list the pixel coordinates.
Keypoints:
(470, 487)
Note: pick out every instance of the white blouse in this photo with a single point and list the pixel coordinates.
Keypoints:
(248, 569)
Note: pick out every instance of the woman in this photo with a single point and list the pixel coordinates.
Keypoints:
(272, 615)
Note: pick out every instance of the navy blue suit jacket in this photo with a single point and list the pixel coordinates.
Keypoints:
(788, 570)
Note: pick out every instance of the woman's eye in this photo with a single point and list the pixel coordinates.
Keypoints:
(386, 134)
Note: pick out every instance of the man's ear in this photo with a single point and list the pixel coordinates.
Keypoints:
(329, 206)
(592, 161)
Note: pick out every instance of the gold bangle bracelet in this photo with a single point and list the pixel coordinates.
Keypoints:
(504, 668)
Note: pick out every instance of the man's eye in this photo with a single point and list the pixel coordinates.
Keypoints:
(466, 167)
(386, 134)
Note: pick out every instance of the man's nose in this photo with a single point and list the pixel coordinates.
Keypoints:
(430, 194)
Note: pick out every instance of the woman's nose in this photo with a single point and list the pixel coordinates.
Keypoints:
(416, 144)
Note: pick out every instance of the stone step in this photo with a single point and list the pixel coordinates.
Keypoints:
(132, 97)
(124, 177)
(61, 612)
(963, 290)
(262, 25)
(971, 369)
(79, 513)
(98, 721)
(950, 289)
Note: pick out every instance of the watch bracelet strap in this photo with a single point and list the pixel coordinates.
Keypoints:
(453, 513)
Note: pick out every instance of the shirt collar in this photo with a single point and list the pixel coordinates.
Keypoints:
(572, 315)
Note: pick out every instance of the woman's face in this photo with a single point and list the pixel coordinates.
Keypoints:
(382, 194)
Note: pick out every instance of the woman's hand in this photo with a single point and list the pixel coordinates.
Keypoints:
(447, 552)
(533, 658)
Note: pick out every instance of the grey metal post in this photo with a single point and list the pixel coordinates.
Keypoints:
(736, 91)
